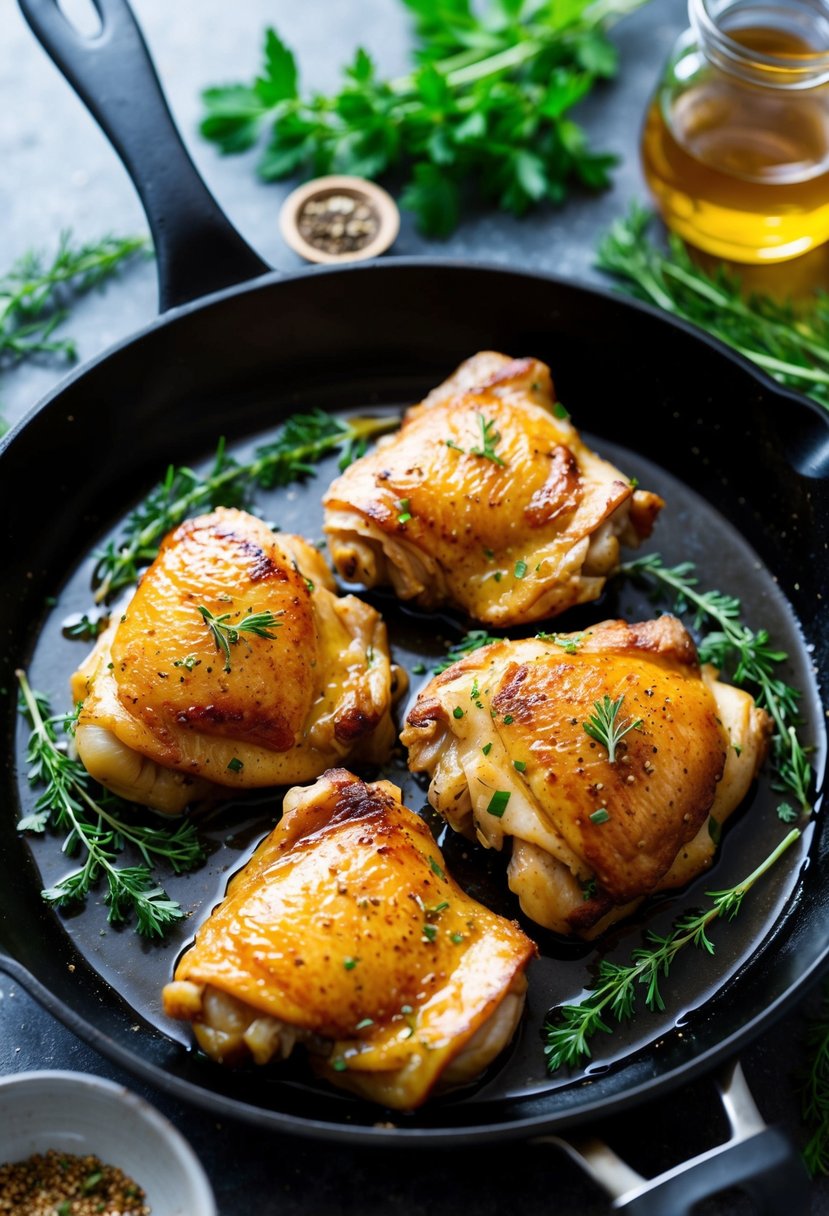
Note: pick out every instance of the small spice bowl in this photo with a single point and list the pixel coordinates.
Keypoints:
(339, 219)
(81, 1115)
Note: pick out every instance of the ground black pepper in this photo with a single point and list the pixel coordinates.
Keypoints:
(62, 1184)
(338, 223)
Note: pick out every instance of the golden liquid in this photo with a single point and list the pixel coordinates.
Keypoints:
(743, 171)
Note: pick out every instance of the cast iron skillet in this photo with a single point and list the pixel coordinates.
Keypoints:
(744, 467)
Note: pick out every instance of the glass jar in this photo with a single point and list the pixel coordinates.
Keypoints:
(735, 146)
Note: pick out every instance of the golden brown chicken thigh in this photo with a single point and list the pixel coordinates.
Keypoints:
(346, 933)
(235, 665)
(486, 499)
(603, 755)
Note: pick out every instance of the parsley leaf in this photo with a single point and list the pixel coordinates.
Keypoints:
(484, 112)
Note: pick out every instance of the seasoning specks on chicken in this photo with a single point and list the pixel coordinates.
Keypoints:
(600, 818)
(345, 932)
(486, 499)
(235, 665)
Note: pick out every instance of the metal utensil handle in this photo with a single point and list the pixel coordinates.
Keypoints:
(757, 1159)
(198, 250)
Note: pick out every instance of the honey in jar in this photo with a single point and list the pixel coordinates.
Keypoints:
(735, 146)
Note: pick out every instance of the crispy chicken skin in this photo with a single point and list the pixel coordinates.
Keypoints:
(163, 721)
(345, 932)
(590, 837)
(517, 535)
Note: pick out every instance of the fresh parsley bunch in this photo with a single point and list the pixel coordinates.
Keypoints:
(485, 110)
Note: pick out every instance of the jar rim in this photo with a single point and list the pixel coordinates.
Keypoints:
(785, 71)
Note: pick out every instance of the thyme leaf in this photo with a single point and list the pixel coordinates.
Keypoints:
(99, 827)
(790, 344)
(490, 438)
(36, 292)
(605, 727)
(302, 440)
(571, 1027)
(226, 635)
(748, 656)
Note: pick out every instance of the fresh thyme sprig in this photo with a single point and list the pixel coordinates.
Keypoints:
(471, 641)
(486, 108)
(226, 635)
(814, 1093)
(490, 438)
(35, 292)
(302, 440)
(791, 344)
(747, 655)
(619, 984)
(605, 727)
(100, 826)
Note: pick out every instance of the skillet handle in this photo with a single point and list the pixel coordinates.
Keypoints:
(759, 1160)
(198, 250)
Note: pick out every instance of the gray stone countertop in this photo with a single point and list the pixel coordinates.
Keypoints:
(58, 172)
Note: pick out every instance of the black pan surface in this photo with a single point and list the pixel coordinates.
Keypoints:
(743, 468)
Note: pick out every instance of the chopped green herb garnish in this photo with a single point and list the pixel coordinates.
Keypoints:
(487, 748)
(786, 813)
(474, 640)
(364, 1024)
(559, 411)
(569, 643)
(519, 765)
(457, 712)
(189, 662)
(350, 963)
(456, 938)
(435, 868)
(405, 514)
(339, 1065)
(600, 816)
(520, 568)
(430, 932)
(85, 628)
(498, 803)
(588, 889)
(419, 669)
(236, 765)
(508, 719)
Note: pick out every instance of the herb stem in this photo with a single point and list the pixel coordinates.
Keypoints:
(754, 659)
(67, 802)
(118, 568)
(790, 344)
(568, 1041)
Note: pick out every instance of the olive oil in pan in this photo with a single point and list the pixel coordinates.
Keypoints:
(739, 169)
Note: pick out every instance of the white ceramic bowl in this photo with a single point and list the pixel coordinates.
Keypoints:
(74, 1112)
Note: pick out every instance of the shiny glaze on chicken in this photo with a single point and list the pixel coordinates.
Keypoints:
(486, 499)
(345, 932)
(590, 837)
(166, 717)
